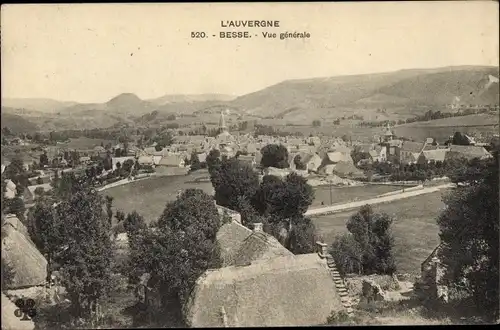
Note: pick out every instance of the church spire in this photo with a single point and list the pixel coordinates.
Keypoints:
(222, 123)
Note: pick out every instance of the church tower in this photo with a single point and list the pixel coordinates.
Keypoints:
(222, 123)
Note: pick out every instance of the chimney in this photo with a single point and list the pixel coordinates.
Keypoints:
(257, 227)
(322, 249)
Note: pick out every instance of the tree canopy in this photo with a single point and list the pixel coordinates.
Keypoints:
(368, 248)
(274, 155)
(469, 231)
(234, 179)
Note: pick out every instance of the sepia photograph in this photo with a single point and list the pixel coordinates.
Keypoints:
(176, 165)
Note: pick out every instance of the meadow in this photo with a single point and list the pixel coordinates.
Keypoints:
(415, 229)
(149, 197)
(348, 194)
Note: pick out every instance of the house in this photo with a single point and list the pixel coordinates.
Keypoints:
(312, 161)
(202, 157)
(85, 160)
(230, 238)
(468, 152)
(27, 264)
(437, 155)
(145, 160)
(10, 189)
(432, 271)
(409, 152)
(31, 189)
(378, 154)
(249, 159)
(173, 160)
(263, 290)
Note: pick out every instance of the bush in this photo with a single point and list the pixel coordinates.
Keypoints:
(338, 318)
(368, 248)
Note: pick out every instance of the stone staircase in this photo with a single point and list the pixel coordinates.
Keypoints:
(340, 285)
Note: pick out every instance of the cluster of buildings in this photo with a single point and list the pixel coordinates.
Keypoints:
(260, 283)
(398, 151)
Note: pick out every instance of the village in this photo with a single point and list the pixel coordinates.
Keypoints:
(315, 156)
(321, 162)
(158, 174)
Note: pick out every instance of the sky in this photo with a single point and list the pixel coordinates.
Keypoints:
(93, 52)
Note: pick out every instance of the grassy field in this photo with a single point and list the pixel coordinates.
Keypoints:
(415, 229)
(348, 194)
(441, 129)
(148, 197)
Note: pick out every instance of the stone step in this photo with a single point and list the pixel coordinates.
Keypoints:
(349, 310)
(342, 289)
(345, 299)
(343, 294)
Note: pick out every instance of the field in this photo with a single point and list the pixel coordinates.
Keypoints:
(415, 229)
(441, 129)
(148, 197)
(349, 194)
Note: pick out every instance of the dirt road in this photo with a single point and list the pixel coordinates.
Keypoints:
(376, 200)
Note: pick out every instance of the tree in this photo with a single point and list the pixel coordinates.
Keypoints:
(44, 160)
(298, 163)
(107, 163)
(184, 246)
(469, 232)
(45, 229)
(348, 254)
(133, 224)
(274, 155)
(232, 180)
(135, 227)
(283, 203)
(127, 165)
(303, 236)
(16, 206)
(195, 161)
(15, 168)
(460, 139)
(86, 265)
(213, 160)
(372, 232)
(316, 123)
(109, 211)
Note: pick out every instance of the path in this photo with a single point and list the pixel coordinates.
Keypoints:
(376, 200)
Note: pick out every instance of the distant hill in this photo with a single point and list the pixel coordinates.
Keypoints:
(36, 104)
(180, 98)
(17, 124)
(381, 96)
(405, 91)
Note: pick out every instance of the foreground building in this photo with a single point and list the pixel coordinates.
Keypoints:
(264, 284)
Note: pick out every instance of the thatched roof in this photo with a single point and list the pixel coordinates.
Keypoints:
(28, 265)
(284, 291)
(9, 320)
(259, 246)
(230, 238)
